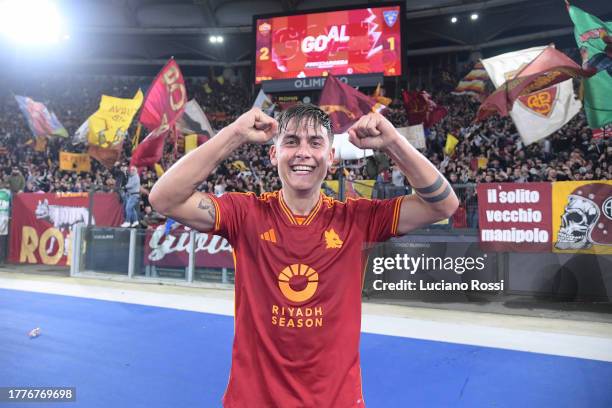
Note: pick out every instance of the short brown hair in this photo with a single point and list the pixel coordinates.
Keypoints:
(305, 112)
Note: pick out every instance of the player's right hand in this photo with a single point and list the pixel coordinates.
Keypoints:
(255, 126)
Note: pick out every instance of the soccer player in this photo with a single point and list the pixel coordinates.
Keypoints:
(298, 253)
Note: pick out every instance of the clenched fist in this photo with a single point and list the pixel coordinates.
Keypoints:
(372, 131)
(255, 126)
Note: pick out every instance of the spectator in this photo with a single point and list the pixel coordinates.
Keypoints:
(16, 181)
(487, 152)
(132, 193)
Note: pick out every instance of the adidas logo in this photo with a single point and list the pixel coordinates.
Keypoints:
(269, 236)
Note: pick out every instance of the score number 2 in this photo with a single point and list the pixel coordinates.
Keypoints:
(264, 54)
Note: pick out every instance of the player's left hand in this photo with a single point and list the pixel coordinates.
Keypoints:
(372, 131)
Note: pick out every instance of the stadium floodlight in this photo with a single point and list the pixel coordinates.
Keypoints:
(31, 21)
(215, 39)
(454, 19)
(474, 16)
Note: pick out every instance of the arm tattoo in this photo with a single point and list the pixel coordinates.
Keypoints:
(431, 188)
(207, 206)
(439, 197)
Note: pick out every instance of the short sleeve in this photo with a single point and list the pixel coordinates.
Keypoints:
(230, 211)
(378, 217)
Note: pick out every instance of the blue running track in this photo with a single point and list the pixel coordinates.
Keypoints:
(126, 355)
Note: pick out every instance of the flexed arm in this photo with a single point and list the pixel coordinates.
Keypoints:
(175, 196)
(434, 199)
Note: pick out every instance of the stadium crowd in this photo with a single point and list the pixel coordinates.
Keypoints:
(489, 151)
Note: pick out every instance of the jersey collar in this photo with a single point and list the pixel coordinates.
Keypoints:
(298, 219)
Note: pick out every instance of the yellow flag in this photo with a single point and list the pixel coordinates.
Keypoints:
(239, 165)
(364, 187)
(109, 124)
(75, 162)
(207, 88)
(159, 170)
(191, 142)
(482, 162)
(451, 144)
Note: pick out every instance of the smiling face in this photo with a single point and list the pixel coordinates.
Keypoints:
(302, 153)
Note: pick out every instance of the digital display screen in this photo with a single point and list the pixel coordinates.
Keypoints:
(347, 42)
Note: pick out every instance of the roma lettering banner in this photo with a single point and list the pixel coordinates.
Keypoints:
(164, 104)
(171, 250)
(40, 228)
(78, 162)
(166, 98)
(582, 216)
(515, 217)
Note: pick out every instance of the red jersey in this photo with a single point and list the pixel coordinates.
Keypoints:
(298, 283)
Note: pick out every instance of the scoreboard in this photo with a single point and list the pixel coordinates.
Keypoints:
(341, 42)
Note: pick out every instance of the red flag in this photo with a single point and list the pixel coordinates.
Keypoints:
(151, 149)
(602, 133)
(420, 108)
(166, 98)
(344, 104)
(416, 107)
(163, 106)
(435, 112)
(549, 68)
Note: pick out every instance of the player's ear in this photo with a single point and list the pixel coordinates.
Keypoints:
(330, 157)
(273, 152)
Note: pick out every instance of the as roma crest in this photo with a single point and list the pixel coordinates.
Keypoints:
(540, 102)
